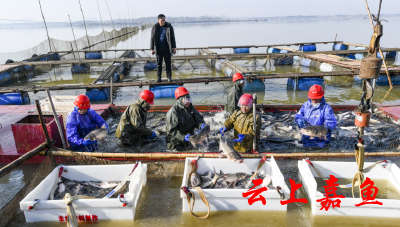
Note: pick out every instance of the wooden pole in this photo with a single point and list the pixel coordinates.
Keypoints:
(113, 28)
(213, 155)
(42, 122)
(386, 68)
(48, 37)
(101, 19)
(28, 155)
(60, 130)
(84, 24)
(72, 48)
(369, 13)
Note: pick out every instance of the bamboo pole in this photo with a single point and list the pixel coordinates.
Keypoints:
(84, 24)
(73, 33)
(28, 155)
(206, 80)
(48, 37)
(212, 155)
(57, 121)
(101, 19)
(42, 122)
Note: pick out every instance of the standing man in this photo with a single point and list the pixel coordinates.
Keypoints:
(234, 94)
(162, 43)
(316, 112)
(132, 126)
(182, 120)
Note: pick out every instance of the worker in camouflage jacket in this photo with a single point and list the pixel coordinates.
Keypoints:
(234, 94)
(132, 126)
(242, 123)
(182, 120)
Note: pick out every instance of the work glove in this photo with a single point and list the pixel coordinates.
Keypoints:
(240, 139)
(152, 135)
(187, 138)
(88, 142)
(202, 126)
(222, 130)
(301, 123)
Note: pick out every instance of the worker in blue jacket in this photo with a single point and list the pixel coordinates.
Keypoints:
(80, 123)
(316, 112)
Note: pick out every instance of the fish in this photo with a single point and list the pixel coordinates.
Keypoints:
(103, 184)
(216, 176)
(195, 179)
(315, 131)
(97, 134)
(61, 188)
(266, 181)
(228, 152)
(199, 138)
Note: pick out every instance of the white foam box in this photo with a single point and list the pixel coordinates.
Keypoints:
(232, 199)
(391, 172)
(56, 210)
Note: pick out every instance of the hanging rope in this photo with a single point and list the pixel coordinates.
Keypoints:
(260, 164)
(190, 195)
(359, 177)
(71, 215)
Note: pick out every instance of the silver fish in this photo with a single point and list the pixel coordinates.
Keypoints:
(199, 138)
(195, 179)
(97, 134)
(315, 131)
(228, 152)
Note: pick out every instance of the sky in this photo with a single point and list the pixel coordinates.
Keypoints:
(58, 10)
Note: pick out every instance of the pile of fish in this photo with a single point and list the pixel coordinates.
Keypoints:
(227, 180)
(87, 188)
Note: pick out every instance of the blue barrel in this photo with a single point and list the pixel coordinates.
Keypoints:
(244, 50)
(5, 77)
(387, 54)
(14, 98)
(272, 50)
(305, 62)
(360, 56)
(307, 48)
(98, 95)
(80, 68)
(303, 84)
(285, 51)
(218, 65)
(383, 80)
(117, 77)
(164, 91)
(17, 70)
(93, 55)
(339, 46)
(28, 67)
(255, 85)
(228, 72)
(51, 57)
(150, 66)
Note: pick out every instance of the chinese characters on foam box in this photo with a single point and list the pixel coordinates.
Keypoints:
(368, 192)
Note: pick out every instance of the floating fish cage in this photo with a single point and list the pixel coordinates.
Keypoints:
(390, 172)
(86, 209)
(232, 199)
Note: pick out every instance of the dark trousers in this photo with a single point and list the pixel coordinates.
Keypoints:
(166, 54)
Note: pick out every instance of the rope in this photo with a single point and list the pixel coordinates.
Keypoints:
(359, 176)
(71, 215)
(190, 195)
(260, 164)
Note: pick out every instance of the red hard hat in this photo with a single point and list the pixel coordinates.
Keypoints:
(147, 96)
(180, 91)
(237, 76)
(316, 92)
(246, 100)
(82, 102)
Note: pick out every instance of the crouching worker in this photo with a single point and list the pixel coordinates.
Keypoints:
(182, 119)
(242, 123)
(132, 126)
(316, 112)
(81, 122)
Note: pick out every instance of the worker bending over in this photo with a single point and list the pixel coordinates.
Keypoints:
(81, 122)
(234, 94)
(316, 112)
(132, 126)
(182, 120)
(242, 123)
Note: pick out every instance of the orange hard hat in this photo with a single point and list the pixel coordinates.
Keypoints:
(237, 76)
(82, 102)
(147, 96)
(316, 92)
(245, 100)
(180, 91)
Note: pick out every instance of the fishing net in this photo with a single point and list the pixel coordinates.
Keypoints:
(96, 42)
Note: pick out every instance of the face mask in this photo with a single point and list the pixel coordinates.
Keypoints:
(315, 105)
(146, 106)
(187, 101)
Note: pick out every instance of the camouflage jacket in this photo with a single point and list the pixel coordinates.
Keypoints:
(233, 97)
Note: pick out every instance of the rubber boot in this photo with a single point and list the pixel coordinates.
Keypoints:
(158, 79)
(169, 78)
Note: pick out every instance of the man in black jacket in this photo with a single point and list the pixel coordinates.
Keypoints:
(162, 43)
